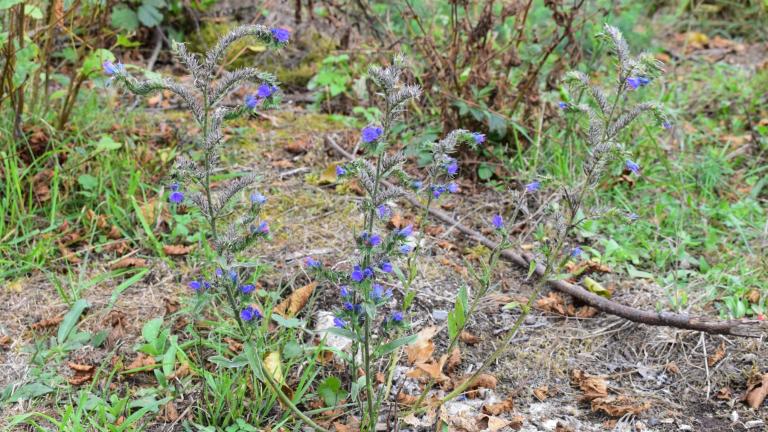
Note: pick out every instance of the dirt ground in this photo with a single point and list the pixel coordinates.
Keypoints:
(664, 367)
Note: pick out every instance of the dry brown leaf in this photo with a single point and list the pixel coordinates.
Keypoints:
(434, 230)
(233, 345)
(716, 356)
(559, 427)
(498, 407)
(341, 427)
(177, 249)
(83, 373)
(468, 338)
(724, 393)
(181, 372)
(5, 341)
(453, 360)
(483, 380)
(593, 386)
(756, 392)
(115, 319)
(432, 369)
(397, 221)
(492, 423)
(422, 348)
(445, 244)
(517, 422)
(541, 393)
(128, 262)
(47, 323)
(406, 399)
(169, 412)
(672, 368)
(753, 296)
(553, 302)
(141, 361)
(282, 164)
(617, 406)
(68, 255)
(299, 146)
(296, 301)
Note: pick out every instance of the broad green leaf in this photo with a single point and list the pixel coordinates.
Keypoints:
(595, 287)
(484, 172)
(222, 361)
(29, 391)
(151, 330)
(70, 320)
(107, 143)
(88, 181)
(393, 345)
(7, 4)
(123, 18)
(92, 63)
(149, 15)
(33, 12)
(331, 392)
(287, 322)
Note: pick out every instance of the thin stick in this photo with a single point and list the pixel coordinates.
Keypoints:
(738, 327)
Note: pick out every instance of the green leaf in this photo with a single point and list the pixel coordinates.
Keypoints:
(287, 322)
(29, 391)
(340, 332)
(70, 320)
(33, 12)
(595, 287)
(123, 18)
(125, 41)
(331, 392)
(149, 15)
(7, 4)
(26, 64)
(222, 361)
(107, 143)
(292, 350)
(151, 330)
(484, 172)
(393, 345)
(88, 181)
(497, 124)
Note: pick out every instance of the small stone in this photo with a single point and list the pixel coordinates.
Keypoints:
(439, 315)
(753, 424)
(685, 427)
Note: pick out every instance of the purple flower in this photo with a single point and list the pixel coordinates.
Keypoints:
(478, 137)
(405, 232)
(644, 81)
(263, 227)
(563, 105)
(453, 188)
(233, 275)
(247, 289)
(348, 306)
(195, 285)
(281, 35)
(533, 186)
(265, 90)
(452, 167)
(357, 274)
(344, 291)
(251, 101)
(575, 252)
(666, 124)
(338, 322)
(383, 211)
(371, 133)
(632, 166)
(257, 198)
(437, 191)
(405, 249)
(370, 240)
(634, 82)
(111, 68)
(633, 217)
(397, 316)
(416, 184)
(312, 263)
(497, 222)
(378, 292)
(367, 272)
(340, 171)
(219, 272)
(249, 313)
(174, 187)
(386, 266)
(176, 197)
(206, 285)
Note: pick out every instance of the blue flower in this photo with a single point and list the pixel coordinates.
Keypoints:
(633, 217)
(453, 188)
(416, 184)
(281, 35)
(257, 198)
(666, 124)
(250, 313)
(263, 227)
(632, 166)
(478, 137)
(405, 232)
(338, 322)
(563, 105)
(370, 240)
(634, 82)
(340, 171)
(367, 272)
(265, 90)
(437, 191)
(405, 249)
(575, 252)
(313, 263)
(344, 291)
(207, 285)
(176, 197)
(452, 167)
(497, 222)
(371, 133)
(348, 306)
(397, 316)
(377, 294)
(644, 81)
(174, 187)
(386, 266)
(247, 289)
(112, 69)
(195, 285)
(383, 211)
(219, 272)
(533, 186)
(251, 101)
(357, 274)
(233, 275)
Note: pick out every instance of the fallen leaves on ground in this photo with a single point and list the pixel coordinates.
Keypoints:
(68, 254)
(555, 303)
(299, 146)
(541, 393)
(468, 338)
(272, 366)
(724, 393)
(454, 359)
(420, 350)
(83, 373)
(115, 319)
(499, 408)
(5, 341)
(169, 412)
(176, 250)
(757, 390)
(128, 262)
(584, 268)
(296, 301)
(618, 406)
(181, 372)
(47, 323)
(592, 386)
(140, 362)
(716, 356)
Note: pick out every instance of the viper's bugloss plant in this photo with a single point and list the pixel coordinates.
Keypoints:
(369, 313)
(231, 227)
(608, 114)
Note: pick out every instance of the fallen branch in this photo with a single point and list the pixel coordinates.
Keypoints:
(741, 327)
